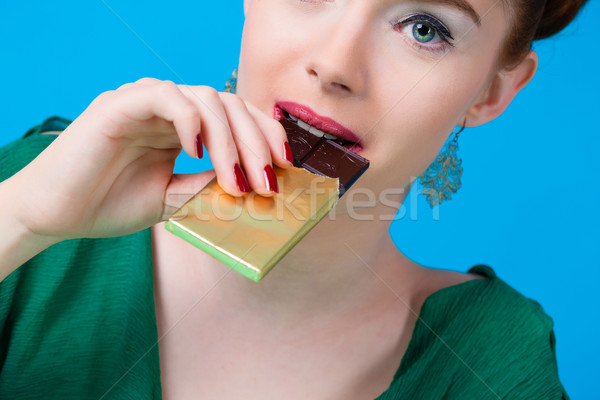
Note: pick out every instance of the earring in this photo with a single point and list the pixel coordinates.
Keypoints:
(442, 177)
(231, 85)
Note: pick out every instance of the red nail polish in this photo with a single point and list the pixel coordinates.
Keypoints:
(199, 151)
(271, 179)
(240, 179)
(287, 152)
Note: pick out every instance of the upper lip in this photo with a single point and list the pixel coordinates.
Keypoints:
(322, 123)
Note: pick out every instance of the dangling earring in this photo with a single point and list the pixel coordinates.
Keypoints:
(231, 85)
(442, 177)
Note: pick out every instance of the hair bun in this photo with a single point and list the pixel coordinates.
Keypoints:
(557, 15)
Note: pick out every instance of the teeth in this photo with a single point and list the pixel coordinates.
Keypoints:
(311, 129)
(316, 132)
(303, 125)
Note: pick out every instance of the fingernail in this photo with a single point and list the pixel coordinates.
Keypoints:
(271, 179)
(287, 152)
(240, 179)
(199, 151)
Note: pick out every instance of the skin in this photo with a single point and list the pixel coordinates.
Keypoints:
(354, 295)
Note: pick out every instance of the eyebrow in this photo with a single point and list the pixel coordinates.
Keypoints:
(462, 5)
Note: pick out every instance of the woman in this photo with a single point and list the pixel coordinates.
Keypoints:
(344, 310)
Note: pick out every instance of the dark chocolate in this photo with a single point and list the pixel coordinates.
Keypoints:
(324, 156)
(301, 141)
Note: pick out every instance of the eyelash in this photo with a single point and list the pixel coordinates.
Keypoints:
(437, 25)
(439, 28)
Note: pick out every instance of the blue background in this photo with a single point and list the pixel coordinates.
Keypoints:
(529, 202)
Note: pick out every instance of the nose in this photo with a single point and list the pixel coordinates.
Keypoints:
(338, 61)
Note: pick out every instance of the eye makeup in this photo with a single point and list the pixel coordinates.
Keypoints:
(416, 25)
(451, 20)
(433, 22)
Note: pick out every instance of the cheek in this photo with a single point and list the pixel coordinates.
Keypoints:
(415, 131)
(264, 57)
(252, 62)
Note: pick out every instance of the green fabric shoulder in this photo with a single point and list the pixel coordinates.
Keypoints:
(479, 340)
(78, 320)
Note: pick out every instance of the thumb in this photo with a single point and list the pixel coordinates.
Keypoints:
(183, 187)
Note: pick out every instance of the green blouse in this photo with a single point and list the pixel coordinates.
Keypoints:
(78, 321)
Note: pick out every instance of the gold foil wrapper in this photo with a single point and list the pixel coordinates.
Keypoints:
(251, 234)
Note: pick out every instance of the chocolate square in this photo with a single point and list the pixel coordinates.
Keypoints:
(301, 141)
(335, 161)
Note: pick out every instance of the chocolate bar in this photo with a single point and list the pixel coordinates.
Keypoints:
(251, 234)
(323, 156)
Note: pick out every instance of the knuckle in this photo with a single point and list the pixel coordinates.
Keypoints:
(225, 149)
(228, 96)
(209, 91)
(146, 81)
(189, 111)
(104, 97)
(230, 147)
(235, 100)
(166, 87)
(125, 86)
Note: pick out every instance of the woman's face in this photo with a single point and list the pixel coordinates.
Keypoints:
(398, 74)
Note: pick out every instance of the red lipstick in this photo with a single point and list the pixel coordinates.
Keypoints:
(320, 122)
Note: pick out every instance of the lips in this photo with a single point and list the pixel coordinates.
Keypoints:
(326, 125)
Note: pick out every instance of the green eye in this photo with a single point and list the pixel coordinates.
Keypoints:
(423, 33)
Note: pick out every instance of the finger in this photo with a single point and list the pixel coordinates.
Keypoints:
(218, 139)
(162, 99)
(275, 135)
(139, 82)
(251, 144)
(181, 188)
(148, 81)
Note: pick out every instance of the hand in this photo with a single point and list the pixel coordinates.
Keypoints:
(109, 173)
